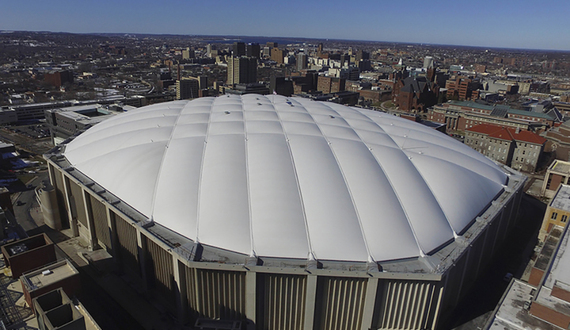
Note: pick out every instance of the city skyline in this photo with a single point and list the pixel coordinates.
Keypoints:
(486, 24)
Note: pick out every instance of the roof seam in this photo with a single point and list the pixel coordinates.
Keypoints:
(366, 246)
(432, 193)
(198, 200)
(392, 185)
(251, 241)
(466, 155)
(301, 201)
(153, 201)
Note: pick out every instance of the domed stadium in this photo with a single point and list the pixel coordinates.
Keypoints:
(286, 213)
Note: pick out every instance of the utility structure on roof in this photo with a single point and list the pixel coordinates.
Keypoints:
(287, 213)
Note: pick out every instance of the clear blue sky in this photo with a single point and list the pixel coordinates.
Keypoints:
(501, 23)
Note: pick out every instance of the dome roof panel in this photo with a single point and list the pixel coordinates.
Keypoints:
(290, 177)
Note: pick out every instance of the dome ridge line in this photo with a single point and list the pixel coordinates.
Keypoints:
(162, 162)
(358, 217)
(311, 254)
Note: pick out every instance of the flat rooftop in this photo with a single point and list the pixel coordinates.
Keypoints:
(559, 273)
(561, 200)
(50, 274)
(560, 167)
(511, 314)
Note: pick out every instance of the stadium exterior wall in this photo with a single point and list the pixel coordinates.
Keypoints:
(195, 283)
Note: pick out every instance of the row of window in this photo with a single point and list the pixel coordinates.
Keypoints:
(554, 216)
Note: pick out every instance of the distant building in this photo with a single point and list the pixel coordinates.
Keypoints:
(239, 49)
(461, 115)
(278, 55)
(428, 62)
(251, 88)
(302, 61)
(187, 54)
(462, 88)
(242, 70)
(187, 88)
(415, 94)
(329, 85)
(65, 122)
(518, 149)
(252, 50)
(59, 78)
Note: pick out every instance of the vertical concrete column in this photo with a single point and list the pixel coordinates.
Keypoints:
(463, 272)
(180, 289)
(72, 221)
(112, 224)
(142, 250)
(369, 301)
(93, 244)
(250, 298)
(484, 238)
(437, 309)
(310, 302)
(50, 170)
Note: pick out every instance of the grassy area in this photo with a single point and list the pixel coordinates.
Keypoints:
(389, 104)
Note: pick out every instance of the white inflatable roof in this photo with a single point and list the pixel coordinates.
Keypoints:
(289, 177)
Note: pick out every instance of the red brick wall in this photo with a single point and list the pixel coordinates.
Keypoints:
(555, 182)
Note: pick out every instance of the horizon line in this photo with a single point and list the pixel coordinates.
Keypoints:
(306, 38)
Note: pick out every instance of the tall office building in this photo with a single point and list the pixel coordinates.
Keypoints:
(252, 50)
(301, 61)
(272, 45)
(278, 55)
(239, 49)
(187, 88)
(428, 62)
(242, 70)
(209, 50)
(187, 53)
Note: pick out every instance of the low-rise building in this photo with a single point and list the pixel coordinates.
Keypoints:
(557, 173)
(557, 212)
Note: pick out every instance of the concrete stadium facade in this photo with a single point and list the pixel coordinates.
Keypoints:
(197, 281)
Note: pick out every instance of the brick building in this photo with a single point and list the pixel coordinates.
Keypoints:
(59, 78)
(329, 85)
(518, 149)
(415, 94)
(278, 55)
(461, 115)
(242, 70)
(462, 88)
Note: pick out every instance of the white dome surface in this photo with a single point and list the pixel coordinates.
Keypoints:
(289, 177)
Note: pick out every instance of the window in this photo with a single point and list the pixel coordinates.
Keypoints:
(564, 218)
(554, 216)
